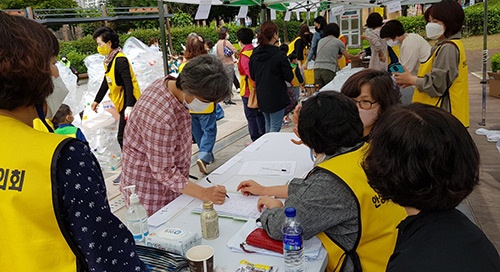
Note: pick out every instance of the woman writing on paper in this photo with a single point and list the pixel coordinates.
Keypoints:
(335, 197)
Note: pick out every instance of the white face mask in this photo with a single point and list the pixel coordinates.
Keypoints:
(55, 99)
(368, 117)
(434, 30)
(195, 105)
(392, 43)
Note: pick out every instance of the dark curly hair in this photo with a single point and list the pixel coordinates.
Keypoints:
(26, 52)
(421, 156)
(329, 120)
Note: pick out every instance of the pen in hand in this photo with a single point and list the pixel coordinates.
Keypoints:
(209, 181)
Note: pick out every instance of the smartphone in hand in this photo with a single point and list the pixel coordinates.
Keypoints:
(396, 68)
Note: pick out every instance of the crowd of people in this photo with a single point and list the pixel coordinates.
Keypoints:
(377, 198)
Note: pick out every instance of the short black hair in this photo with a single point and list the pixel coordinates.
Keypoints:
(450, 13)
(421, 156)
(245, 35)
(292, 56)
(374, 20)
(108, 34)
(329, 120)
(392, 29)
(332, 29)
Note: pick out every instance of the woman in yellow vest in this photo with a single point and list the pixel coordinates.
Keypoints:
(255, 118)
(435, 236)
(119, 77)
(55, 213)
(203, 119)
(334, 201)
(442, 80)
(300, 44)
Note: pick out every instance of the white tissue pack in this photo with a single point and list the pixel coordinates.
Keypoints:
(173, 239)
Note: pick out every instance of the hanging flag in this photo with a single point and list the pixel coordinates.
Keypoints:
(242, 14)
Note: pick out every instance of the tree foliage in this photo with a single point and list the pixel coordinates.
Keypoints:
(36, 4)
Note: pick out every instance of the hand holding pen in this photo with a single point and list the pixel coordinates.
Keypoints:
(209, 181)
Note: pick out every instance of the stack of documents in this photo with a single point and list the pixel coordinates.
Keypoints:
(237, 206)
(312, 247)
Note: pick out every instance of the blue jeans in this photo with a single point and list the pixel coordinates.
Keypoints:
(255, 119)
(204, 129)
(274, 120)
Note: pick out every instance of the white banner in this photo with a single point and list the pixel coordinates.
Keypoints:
(298, 15)
(288, 14)
(338, 10)
(393, 6)
(273, 14)
(202, 12)
(242, 14)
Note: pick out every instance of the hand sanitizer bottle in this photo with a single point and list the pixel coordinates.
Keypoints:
(137, 217)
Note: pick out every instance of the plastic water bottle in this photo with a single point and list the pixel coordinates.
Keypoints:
(137, 217)
(293, 247)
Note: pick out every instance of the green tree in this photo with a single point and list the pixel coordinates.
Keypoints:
(45, 4)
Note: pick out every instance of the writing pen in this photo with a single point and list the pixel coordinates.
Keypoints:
(209, 181)
(282, 169)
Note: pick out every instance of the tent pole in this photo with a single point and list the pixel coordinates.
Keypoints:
(161, 15)
(485, 62)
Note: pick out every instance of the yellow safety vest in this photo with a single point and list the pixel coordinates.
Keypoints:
(38, 124)
(378, 219)
(210, 109)
(243, 78)
(458, 92)
(291, 46)
(342, 62)
(116, 92)
(295, 81)
(31, 238)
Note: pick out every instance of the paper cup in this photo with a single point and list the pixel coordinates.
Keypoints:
(201, 258)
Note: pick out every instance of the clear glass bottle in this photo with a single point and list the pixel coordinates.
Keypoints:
(209, 221)
(293, 247)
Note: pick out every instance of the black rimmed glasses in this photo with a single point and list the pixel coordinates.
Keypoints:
(365, 104)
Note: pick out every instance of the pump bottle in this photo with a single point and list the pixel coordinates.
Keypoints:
(137, 217)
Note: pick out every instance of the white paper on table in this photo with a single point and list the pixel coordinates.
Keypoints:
(312, 247)
(255, 145)
(237, 206)
(164, 214)
(268, 168)
(223, 168)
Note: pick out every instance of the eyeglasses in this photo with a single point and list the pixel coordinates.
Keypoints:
(365, 104)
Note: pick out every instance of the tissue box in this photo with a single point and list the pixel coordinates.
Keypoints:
(173, 239)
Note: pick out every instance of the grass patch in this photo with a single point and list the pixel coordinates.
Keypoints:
(476, 42)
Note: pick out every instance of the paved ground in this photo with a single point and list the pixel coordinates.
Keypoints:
(482, 205)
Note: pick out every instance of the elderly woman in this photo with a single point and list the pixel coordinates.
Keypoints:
(157, 144)
(55, 214)
(334, 201)
(423, 159)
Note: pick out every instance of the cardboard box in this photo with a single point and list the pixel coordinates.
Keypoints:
(494, 83)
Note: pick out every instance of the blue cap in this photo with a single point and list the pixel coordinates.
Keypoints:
(290, 212)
